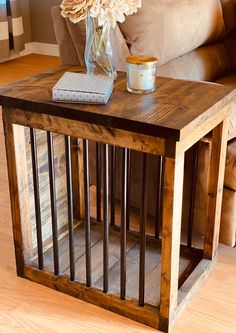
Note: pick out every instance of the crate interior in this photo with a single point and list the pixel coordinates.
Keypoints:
(189, 258)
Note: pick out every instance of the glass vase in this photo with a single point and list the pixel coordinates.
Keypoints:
(99, 56)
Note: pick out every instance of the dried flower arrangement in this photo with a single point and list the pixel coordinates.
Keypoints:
(106, 11)
(101, 16)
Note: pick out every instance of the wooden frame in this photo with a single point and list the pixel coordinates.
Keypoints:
(178, 125)
(171, 299)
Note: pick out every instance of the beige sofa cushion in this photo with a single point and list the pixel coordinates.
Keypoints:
(168, 29)
(78, 36)
(66, 47)
(230, 43)
(230, 166)
(228, 218)
(229, 13)
(207, 63)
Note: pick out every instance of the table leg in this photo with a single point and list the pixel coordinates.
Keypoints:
(215, 189)
(171, 229)
(19, 192)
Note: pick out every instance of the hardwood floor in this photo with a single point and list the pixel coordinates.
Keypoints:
(28, 307)
(25, 66)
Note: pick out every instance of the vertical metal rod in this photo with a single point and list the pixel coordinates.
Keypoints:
(159, 198)
(124, 173)
(128, 163)
(113, 185)
(193, 194)
(98, 180)
(87, 222)
(52, 184)
(143, 213)
(106, 222)
(37, 197)
(70, 206)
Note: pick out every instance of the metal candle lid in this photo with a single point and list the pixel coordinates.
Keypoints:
(140, 60)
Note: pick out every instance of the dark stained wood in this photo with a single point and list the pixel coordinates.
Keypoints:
(169, 112)
(188, 261)
(194, 152)
(75, 177)
(70, 207)
(159, 197)
(80, 177)
(167, 122)
(147, 315)
(51, 167)
(98, 180)
(87, 220)
(13, 164)
(97, 256)
(114, 136)
(192, 284)
(43, 169)
(143, 220)
(123, 240)
(105, 219)
(113, 184)
(171, 228)
(37, 201)
(215, 189)
(129, 175)
(79, 237)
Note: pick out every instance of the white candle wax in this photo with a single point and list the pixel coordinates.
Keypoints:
(141, 74)
(141, 77)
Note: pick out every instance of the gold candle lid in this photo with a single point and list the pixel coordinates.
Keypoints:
(140, 59)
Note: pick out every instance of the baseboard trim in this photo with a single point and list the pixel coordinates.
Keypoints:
(43, 48)
(34, 47)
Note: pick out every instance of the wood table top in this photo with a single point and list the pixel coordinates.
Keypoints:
(172, 111)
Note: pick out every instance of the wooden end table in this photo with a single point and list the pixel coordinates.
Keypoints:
(167, 123)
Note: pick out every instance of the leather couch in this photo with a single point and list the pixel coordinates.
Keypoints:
(194, 40)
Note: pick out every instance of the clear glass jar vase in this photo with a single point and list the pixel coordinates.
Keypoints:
(99, 51)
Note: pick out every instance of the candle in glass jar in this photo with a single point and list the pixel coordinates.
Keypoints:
(141, 74)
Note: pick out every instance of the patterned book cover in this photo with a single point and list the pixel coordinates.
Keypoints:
(82, 88)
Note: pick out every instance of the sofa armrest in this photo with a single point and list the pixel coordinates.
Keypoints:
(230, 43)
(65, 44)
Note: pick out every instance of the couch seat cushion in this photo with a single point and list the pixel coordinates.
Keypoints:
(230, 80)
(168, 29)
(230, 166)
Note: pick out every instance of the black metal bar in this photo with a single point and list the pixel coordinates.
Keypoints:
(37, 197)
(70, 206)
(98, 180)
(143, 213)
(124, 172)
(87, 222)
(113, 184)
(159, 198)
(53, 200)
(193, 195)
(106, 221)
(128, 163)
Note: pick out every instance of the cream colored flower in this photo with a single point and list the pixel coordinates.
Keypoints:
(109, 11)
(76, 10)
(133, 6)
(112, 11)
(106, 11)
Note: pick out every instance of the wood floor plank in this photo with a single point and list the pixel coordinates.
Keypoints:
(64, 249)
(97, 255)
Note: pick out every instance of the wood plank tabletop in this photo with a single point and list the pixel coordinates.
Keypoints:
(172, 111)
